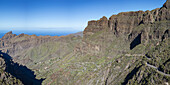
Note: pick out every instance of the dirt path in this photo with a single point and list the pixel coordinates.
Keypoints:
(149, 65)
(158, 70)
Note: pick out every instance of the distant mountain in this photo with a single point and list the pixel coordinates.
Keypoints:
(131, 48)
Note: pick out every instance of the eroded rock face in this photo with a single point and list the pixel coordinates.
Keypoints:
(167, 4)
(94, 26)
(103, 56)
(152, 26)
(5, 77)
(124, 22)
(8, 35)
(12, 44)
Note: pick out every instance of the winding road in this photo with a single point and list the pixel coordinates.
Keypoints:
(157, 70)
(149, 65)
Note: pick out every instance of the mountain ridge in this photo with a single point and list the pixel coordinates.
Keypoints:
(114, 51)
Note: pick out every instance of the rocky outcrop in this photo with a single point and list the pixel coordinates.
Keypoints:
(24, 48)
(8, 35)
(112, 52)
(125, 22)
(11, 43)
(5, 77)
(151, 25)
(20, 72)
(94, 26)
(167, 4)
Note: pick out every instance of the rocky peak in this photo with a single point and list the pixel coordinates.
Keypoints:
(10, 32)
(125, 22)
(104, 18)
(131, 13)
(8, 35)
(21, 35)
(102, 22)
(167, 4)
(94, 26)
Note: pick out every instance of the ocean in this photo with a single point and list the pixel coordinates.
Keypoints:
(38, 33)
(1, 35)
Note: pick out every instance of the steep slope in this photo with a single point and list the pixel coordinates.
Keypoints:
(140, 26)
(113, 51)
(156, 69)
(128, 48)
(40, 53)
(13, 44)
(22, 73)
(5, 77)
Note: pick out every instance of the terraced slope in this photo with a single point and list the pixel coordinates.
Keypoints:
(126, 49)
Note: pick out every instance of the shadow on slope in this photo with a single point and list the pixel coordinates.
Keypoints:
(135, 42)
(20, 72)
(130, 75)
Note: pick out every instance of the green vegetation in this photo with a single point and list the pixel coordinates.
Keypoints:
(5, 77)
(104, 55)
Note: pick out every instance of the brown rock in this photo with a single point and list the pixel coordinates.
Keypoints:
(102, 22)
(125, 22)
(95, 26)
(167, 4)
(8, 35)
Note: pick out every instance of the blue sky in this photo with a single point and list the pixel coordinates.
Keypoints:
(64, 14)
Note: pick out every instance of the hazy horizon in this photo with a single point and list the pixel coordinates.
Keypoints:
(39, 31)
(84, 42)
(62, 14)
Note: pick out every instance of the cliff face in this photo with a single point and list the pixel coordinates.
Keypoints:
(38, 53)
(23, 48)
(5, 77)
(167, 4)
(95, 26)
(141, 27)
(20, 74)
(128, 48)
(130, 35)
(13, 44)
(8, 35)
(125, 22)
